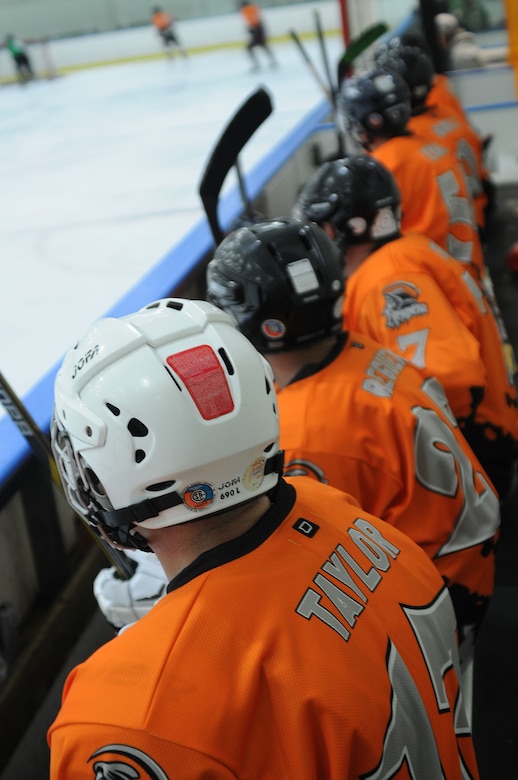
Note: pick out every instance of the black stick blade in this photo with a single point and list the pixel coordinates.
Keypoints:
(247, 119)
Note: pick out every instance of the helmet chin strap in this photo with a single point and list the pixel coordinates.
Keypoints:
(119, 525)
(127, 536)
(137, 513)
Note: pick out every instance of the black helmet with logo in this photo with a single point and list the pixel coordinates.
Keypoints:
(375, 104)
(282, 282)
(357, 196)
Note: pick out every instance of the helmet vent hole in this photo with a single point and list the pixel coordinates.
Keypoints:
(158, 486)
(175, 305)
(173, 378)
(94, 482)
(137, 428)
(113, 409)
(269, 447)
(139, 456)
(306, 240)
(274, 253)
(268, 386)
(225, 358)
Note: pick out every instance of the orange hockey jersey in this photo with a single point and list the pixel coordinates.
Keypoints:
(435, 197)
(441, 125)
(394, 298)
(378, 429)
(318, 645)
(412, 297)
(251, 15)
(443, 94)
(162, 20)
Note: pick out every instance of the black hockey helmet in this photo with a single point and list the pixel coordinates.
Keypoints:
(412, 37)
(282, 282)
(374, 104)
(413, 63)
(357, 195)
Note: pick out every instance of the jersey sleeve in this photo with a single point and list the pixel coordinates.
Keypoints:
(435, 198)
(415, 176)
(100, 750)
(411, 316)
(442, 93)
(374, 488)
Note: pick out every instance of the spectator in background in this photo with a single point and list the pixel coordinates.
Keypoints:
(257, 34)
(164, 23)
(18, 52)
(462, 46)
(472, 14)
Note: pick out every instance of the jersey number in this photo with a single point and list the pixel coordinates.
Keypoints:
(417, 747)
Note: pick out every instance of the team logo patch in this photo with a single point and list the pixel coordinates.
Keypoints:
(273, 329)
(130, 764)
(401, 303)
(304, 468)
(198, 496)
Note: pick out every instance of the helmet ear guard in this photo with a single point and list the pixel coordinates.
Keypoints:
(188, 414)
(357, 227)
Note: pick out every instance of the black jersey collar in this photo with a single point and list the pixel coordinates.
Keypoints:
(228, 551)
(314, 368)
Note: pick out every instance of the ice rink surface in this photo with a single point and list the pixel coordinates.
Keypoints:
(99, 174)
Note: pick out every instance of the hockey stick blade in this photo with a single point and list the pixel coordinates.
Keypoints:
(357, 46)
(247, 119)
(311, 65)
(41, 448)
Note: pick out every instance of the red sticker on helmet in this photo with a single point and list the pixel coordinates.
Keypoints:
(206, 381)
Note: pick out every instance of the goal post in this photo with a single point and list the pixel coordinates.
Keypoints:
(40, 52)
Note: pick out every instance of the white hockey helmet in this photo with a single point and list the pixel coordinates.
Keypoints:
(162, 417)
(447, 24)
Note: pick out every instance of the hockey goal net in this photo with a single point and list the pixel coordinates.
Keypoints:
(39, 53)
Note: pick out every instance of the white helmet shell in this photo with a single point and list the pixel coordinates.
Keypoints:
(164, 416)
(447, 24)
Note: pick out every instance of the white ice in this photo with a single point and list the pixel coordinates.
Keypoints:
(99, 174)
